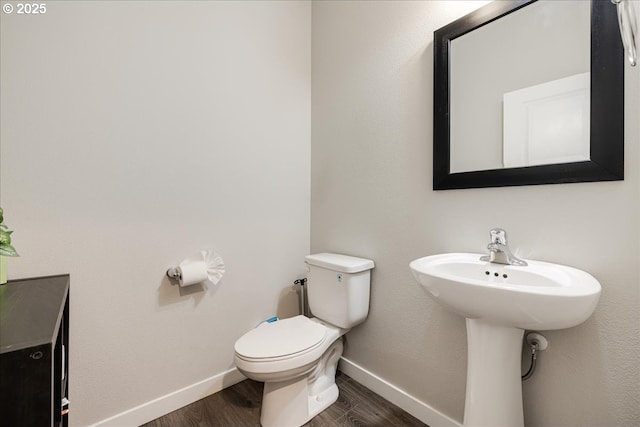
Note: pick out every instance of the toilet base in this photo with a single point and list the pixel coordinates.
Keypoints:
(293, 402)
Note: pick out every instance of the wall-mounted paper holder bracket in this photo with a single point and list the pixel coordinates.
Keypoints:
(173, 273)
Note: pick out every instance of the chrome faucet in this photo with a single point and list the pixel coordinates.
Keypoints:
(499, 252)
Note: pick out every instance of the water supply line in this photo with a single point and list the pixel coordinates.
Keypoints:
(304, 309)
(537, 342)
(532, 367)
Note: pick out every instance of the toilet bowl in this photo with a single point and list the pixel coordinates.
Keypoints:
(297, 358)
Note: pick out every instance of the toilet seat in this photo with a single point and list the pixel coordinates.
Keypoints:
(288, 347)
(280, 340)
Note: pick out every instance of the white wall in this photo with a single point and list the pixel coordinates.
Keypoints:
(135, 134)
(372, 196)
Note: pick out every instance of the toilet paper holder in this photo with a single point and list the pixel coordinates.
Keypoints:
(204, 266)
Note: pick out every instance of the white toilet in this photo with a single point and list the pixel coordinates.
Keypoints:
(297, 357)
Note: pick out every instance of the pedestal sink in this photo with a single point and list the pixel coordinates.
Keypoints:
(499, 302)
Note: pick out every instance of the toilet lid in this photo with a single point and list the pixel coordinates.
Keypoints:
(282, 338)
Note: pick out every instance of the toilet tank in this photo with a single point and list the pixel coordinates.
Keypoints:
(338, 288)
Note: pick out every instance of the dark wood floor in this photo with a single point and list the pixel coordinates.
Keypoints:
(239, 406)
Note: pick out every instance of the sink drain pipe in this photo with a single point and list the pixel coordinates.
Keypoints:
(536, 343)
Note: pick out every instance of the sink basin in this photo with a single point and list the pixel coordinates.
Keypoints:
(539, 296)
(499, 302)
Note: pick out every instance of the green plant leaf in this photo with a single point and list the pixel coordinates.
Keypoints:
(8, 250)
(5, 237)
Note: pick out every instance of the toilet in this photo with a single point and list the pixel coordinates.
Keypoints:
(297, 358)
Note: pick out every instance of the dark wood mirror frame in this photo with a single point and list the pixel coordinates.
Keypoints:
(607, 107)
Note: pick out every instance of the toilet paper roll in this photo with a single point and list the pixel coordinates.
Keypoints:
(192, 272)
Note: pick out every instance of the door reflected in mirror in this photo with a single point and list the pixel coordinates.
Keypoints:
(547, 123)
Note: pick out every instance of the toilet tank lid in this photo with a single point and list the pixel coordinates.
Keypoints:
(341, 263)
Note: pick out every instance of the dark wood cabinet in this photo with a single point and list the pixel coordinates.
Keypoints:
(34, 348)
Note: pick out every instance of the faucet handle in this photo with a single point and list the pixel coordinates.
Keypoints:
(498, 235)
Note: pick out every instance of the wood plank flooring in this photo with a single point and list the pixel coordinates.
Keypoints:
(239, 406)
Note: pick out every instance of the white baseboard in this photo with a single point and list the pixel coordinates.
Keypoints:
(175, 400)
(397, 396)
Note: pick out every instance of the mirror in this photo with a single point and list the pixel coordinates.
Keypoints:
(529, 92)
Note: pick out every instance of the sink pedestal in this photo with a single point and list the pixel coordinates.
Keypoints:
(494, 387)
